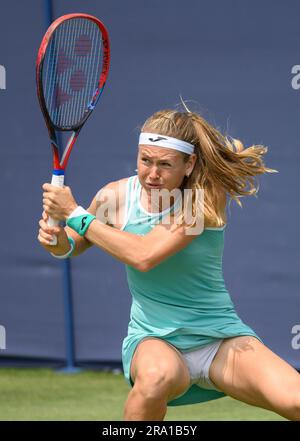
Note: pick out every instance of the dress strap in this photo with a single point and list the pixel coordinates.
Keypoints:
(130, 199)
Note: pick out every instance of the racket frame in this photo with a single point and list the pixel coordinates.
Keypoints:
(60, 164)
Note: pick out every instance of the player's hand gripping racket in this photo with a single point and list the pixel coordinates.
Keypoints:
(71, 70)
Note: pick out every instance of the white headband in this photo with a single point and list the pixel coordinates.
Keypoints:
(166, 141)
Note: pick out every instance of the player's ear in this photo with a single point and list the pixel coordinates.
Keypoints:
(191, 163)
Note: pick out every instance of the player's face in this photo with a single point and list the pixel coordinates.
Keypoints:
(159, 167)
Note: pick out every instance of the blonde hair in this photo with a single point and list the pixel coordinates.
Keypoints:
(222, 163)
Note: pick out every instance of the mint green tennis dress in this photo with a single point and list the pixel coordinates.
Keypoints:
(183, 300)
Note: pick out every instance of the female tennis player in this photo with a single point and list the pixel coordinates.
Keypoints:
(185, 343)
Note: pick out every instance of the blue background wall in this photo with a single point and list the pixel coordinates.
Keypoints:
(232, 59)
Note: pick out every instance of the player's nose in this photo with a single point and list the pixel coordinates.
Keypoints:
(154, 172)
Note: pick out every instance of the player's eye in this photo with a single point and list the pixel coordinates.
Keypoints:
(146, 160)
(165, 164)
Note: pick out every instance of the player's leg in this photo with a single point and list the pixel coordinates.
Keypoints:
(247, 370)
(159, 374)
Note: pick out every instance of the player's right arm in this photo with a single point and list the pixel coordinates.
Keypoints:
(103, 197)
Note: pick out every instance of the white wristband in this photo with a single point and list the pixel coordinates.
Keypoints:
(68, 254)
(78, 211)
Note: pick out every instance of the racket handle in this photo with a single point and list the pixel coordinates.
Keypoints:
(58, 181)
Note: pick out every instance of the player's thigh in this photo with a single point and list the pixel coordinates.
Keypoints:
(247, 370)
(156, 364)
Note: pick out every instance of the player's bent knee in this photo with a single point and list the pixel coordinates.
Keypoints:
(157, 370)
(156, 383)
(296, 407)
(151, 380)
(288, 406)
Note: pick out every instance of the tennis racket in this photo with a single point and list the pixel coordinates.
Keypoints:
(71, 70)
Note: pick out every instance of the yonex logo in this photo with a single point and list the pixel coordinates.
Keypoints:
(159, 138)
(2, 77)
(83, 222)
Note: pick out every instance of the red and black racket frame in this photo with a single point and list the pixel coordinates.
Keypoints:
(59, 164)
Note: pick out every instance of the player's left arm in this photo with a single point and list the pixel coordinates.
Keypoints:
(141, 252)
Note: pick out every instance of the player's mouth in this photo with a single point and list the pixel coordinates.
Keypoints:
(153, 185)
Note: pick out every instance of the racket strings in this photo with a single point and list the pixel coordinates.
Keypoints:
(71, 70)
